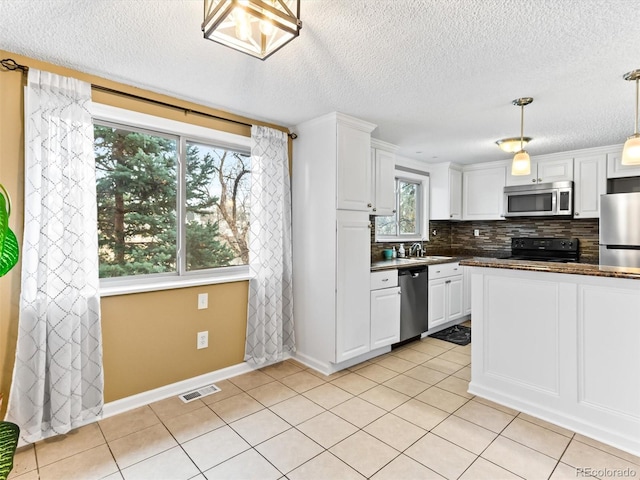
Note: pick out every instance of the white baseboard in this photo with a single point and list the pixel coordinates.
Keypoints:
(141, 399)
(329, 368)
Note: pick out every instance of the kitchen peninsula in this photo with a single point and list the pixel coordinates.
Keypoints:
(560, 342)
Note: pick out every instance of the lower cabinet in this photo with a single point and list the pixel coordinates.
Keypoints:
(385, 309)
(446, 286)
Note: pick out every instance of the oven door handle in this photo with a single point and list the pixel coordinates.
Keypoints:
(554, 202)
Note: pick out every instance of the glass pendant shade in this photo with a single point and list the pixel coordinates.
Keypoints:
(631, 151)
(256, 27)
(521, 164)
(512, 145)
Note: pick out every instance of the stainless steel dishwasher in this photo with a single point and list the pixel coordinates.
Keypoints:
(414, 285)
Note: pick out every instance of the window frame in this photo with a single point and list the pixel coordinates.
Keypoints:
(186, 132)
(422, 207)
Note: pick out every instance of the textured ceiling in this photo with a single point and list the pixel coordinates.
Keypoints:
(436, 76)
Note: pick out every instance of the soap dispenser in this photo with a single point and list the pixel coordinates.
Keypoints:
(394, 254)
(401, 251)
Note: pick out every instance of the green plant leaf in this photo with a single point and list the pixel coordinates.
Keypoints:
(8, 242)
(9, 252)
(4, 220)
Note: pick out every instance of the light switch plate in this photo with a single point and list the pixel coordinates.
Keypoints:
(203, 301)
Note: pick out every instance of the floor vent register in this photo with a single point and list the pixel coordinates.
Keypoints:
(199, 393)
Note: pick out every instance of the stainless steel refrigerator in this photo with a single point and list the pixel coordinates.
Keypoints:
(620, 229)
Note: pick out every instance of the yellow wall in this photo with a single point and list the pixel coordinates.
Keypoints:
(149, 339)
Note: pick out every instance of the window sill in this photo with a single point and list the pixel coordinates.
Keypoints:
(171, 284)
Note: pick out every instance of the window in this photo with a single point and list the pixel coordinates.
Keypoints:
(410, 220)
(169, 203)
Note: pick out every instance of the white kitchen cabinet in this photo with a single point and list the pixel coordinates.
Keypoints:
(483, 192)
(331, 257)
(565, 348)
(352, 286)
(383, 160)
(615, 169)
(590, 183)
(354, 168)
(544, 171)
(385, 309)
(446, 191)
(446, 287)
(466, 291)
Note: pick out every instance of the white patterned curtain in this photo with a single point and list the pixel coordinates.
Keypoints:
(57, 379)
(270, 312)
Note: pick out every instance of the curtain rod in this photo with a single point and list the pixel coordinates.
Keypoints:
(11, 64)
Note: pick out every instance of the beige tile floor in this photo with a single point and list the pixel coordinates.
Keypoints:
(404, 415)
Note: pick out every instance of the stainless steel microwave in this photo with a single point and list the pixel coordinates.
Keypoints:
(541, 199)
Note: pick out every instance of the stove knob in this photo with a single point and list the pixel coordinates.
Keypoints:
(563, 243)
(571, 244)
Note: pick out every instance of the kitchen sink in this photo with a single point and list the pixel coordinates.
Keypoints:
(428, 258)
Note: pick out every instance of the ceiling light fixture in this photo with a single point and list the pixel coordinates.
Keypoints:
(631, 151)
(521, 164)
(256, 27)
(512, 145)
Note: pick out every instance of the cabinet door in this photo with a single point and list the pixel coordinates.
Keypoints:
(352, 284)
(454, 287)
(384, 191)
(615, 169)
(483, 192)
(354, 169)
(590, 183)
(437, 302)
(466, 291)
(455, 194)
(385, 317)
(555, 170)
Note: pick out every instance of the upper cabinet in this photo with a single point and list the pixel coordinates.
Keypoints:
(544, 171)
(446, 192)
(483, 192)
(615, 169)
(590, 183)
(383, 162)
(354, 168)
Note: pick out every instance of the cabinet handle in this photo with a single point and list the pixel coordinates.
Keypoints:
(369, 205)
(369, 226)
(448, 281)
(385, 279)
(577, 214)
(399, 292)
(394, 211)
(533, 180)
(374, 209)
(539, 180)
(451, 215)
(437, 271)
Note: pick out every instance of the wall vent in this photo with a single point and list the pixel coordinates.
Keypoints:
(199, 393)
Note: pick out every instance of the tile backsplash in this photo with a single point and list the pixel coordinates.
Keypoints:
(456, 238)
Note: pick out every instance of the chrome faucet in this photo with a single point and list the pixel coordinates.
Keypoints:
(416, 250)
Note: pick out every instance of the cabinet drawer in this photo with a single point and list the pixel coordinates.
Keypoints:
(384, 279)
(444, 270)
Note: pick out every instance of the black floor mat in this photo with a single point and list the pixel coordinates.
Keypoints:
(457, 334)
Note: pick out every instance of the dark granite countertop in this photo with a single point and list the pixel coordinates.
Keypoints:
(554, 267)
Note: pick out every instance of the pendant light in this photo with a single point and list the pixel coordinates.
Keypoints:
(631, 151)
(256, 27)
(521, 164)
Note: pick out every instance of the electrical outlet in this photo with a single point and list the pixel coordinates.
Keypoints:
(203, 340)
(203, 301)
(476, 233)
